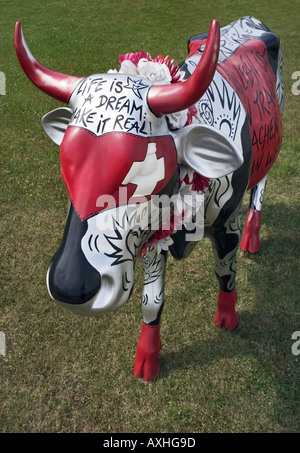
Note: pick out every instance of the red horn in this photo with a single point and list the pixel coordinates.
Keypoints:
(57, 85)
(165, 99)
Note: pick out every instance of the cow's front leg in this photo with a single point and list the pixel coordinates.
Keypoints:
(225, 240)
(149, 344)
(250, 242)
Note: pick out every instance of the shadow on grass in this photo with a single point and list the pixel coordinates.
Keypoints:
(265, 330)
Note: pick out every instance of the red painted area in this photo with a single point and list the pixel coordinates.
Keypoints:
(171, 98)
(147, 362)
(250, 241)
(226, 315)
(59, 86)
(92, 166)
(249, 73)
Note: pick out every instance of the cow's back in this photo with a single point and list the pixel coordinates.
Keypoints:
(250, 63)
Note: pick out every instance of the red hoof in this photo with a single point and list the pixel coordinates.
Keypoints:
(146, 363)
(226, 315)
(250, 241)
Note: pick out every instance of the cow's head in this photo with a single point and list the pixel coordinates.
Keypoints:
(117, 150)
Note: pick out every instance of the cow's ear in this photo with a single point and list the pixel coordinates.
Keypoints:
(56, 122)
(207, 151)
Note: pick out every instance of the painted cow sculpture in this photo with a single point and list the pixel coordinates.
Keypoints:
(128, 143)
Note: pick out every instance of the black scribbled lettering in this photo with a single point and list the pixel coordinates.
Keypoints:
(88, 99)
(120, 103)
(102, 124)
(261, 137)
(76, 115)
(126, 106)
(102, 101)
(118, 122)
(119, 87)
(257, 164)
(90, 117)
(110, 110)
(131, 124)
(274, 129)
(110, 102)
(112, 85)
(85, 117)
(260, 104)
(261, 60)
(272, 154)
(80, 89)
(142, 129)
(99, 84)
(116, 86)
(136, 108)
(87, 84)
(248, 72)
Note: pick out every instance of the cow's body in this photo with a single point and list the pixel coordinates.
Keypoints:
(245, 101)
(115, 137)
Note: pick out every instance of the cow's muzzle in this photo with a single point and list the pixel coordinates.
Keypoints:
(93, 271)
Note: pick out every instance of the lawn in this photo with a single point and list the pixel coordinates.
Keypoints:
(63, 373)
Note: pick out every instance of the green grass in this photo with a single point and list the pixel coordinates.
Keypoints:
(63, 373)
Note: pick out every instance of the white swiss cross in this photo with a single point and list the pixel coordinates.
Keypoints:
(146, 174)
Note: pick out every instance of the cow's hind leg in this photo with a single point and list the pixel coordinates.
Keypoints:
(149, 344)
(250, 242)
(225, 240)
